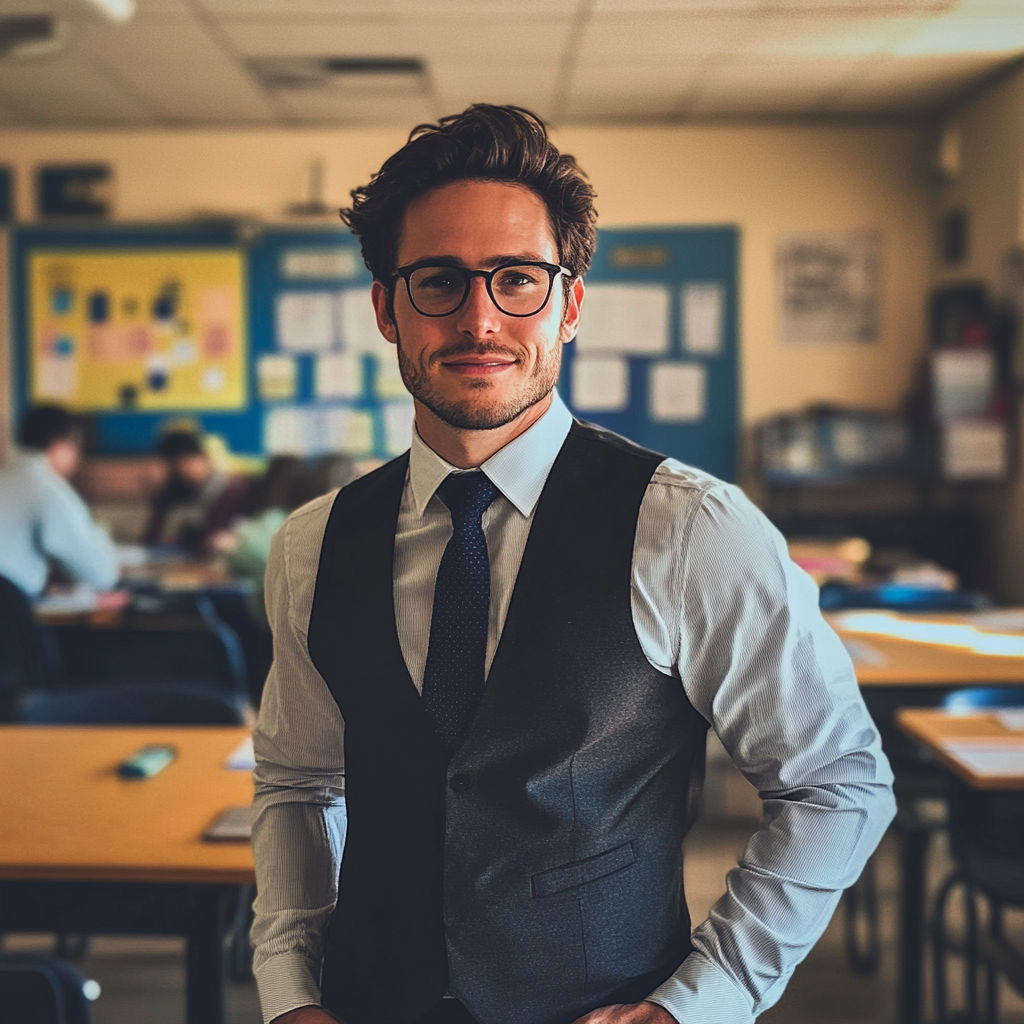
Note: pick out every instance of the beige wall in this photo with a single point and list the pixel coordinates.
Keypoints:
(765, 180)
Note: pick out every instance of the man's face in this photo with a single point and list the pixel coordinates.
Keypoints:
(195, 469)
(63, 456)
(479, 368)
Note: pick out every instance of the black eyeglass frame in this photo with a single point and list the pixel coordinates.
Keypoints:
(553, 270)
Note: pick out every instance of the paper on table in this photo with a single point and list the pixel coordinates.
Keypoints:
(398, 420)
(864, 654)
(999, 620)
(339, 375)
(625, 318)
(275, 376)
(600, 383)
(358, 322)
(702, 310)
(1011, 718)
(305, 321)
(242, 758)
(989, 758)
(677, 392)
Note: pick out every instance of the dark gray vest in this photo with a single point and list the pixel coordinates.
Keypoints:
(538, 875)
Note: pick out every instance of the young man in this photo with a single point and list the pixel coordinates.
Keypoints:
(496, 659)
(42, 518)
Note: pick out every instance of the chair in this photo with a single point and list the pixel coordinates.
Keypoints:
(41, 990)
(25, 659)
(127, 704)
(987, 838)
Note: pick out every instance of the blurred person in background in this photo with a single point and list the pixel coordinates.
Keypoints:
(197, 501)
(289, 483)
(43, 520)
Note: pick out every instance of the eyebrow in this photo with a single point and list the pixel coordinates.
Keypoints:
(506, 259)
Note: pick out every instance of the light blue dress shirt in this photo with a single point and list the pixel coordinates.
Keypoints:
(717, 603)
(43, 518)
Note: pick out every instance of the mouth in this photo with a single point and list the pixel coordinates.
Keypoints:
(478, 366)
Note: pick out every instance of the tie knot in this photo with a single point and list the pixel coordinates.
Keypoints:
(467, 496)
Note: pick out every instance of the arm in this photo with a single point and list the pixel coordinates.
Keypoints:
(299, 808)
(760, 663)
(67, 533)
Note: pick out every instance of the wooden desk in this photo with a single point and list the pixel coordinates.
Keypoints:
(942, 733)
(73, 827)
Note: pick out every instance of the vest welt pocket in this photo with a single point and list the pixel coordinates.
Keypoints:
(579, 872)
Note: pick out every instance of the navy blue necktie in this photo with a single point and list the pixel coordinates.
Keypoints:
(453, 680)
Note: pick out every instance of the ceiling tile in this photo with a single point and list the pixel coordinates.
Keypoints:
(323, 106)
(65, 90)
(966, 33)
(658, 36)
(824, 34)
(619, 108)
(319, 38)
(182, 72)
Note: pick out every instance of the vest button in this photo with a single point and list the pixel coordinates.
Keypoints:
(460, 783)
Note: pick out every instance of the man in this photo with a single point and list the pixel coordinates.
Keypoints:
(496, 659)
(42, 518)
(196, 501)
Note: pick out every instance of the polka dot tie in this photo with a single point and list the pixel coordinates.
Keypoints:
(453, 681)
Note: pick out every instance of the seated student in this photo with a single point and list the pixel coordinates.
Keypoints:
(197, 501)
(42, 517)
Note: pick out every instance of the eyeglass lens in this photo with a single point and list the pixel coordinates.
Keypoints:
(517, 290)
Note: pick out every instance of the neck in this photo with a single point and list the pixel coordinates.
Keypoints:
(468, 449)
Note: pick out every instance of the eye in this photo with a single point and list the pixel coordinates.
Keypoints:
(516, 278)
(441, 279)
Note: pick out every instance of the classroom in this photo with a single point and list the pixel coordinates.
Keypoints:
(632, 636)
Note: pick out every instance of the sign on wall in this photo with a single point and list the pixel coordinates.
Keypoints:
(140, 329)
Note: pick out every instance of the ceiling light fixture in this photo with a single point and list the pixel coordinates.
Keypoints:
(116, 10)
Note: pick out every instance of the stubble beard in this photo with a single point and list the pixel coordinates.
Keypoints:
(466, 414)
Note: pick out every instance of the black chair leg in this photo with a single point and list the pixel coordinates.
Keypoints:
(971, 960)
(995, 927)
(860, 906)
(939, 946)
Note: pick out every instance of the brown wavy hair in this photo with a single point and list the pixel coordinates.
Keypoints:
(484, 142)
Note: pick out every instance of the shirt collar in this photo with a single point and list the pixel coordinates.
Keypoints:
(519, 470)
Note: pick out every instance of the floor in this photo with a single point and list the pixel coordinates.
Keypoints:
(142, 979)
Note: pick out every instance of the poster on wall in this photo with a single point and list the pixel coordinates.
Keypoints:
(140, 329)
(829, 286)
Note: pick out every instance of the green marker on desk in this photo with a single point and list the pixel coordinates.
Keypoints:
(147, 761)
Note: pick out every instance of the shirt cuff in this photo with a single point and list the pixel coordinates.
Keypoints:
(286, 982)
(700, 992)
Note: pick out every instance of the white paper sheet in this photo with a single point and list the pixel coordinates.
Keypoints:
(339, 375)
(625, 318)
(398, 420)
(991, 759)
(242, 758)
(677, 392)
(864, 654)
(349, 431)
(703, 312)
(288, 431)
(276, 377)
(317, 264)
(600, 383)
(305, 321)
(962, 382)
(389, 378)
(1011, 718)
(358, 323)
(974, 450)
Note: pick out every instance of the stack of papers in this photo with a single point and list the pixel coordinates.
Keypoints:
(990, 758)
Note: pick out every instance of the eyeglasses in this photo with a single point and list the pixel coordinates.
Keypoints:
(517, 289)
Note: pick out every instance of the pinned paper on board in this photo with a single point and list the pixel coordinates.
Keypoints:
(305, 321)
(317, 430)
(600, 383)
(389, 377)
(703, 315)
(346, 430)
(398, 421)
(286, 431)
(319, 264)
(963, 382)
(338, 375)
(276, 377)
(678, 392)
(975, 450)
(57, 379)
(358, 322)
(625, 318)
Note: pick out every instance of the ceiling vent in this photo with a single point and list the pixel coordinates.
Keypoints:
(30, 35)
(376, 76)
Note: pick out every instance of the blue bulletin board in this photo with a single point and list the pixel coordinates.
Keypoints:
(655, 359)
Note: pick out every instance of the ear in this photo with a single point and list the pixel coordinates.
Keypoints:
(573, 310)
(386, 326)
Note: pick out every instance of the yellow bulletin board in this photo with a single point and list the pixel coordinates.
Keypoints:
(140, 329)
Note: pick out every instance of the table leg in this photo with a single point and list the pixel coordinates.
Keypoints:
(204, 957)
(913, 849)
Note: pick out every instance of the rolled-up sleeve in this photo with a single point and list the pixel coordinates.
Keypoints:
(299, 806)
(760, 664)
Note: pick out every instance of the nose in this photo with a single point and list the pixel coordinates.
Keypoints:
(478, 316)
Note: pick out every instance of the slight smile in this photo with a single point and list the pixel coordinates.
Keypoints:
(470, 367)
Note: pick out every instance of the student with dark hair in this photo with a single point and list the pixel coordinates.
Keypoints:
(42, 518)
(496, 659)
(196, 501)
